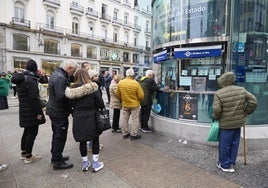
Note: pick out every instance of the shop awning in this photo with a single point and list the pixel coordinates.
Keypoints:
(198, 52)
(161, 56)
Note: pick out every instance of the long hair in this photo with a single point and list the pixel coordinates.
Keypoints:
(81, 77)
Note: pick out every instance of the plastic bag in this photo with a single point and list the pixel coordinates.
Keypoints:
(213, 135)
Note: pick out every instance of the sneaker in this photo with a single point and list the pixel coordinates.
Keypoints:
(230, 169)
(22, 157)
(85, 165)
(3, 167)
(33, 158)
(126, 136)
(135, 137)
(146, 130)
(96, 166)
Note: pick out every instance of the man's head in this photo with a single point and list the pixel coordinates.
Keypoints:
(86, 65)
(31, 66)
(149, 74)
(70, 67)
(130, 72)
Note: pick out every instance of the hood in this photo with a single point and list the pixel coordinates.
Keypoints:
(17, 78)
(143, 78)
(78, 92)
(226, 79)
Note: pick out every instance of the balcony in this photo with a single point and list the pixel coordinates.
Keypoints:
(136, 27)
(117, 21)
(147, 31)
(21, 21)
(127, 25)
(52, 3)
(76, 8)
(126, 3)
(118, 1)
(90, 13)
(105, 18)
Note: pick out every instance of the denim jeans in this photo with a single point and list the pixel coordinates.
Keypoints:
(228, 146)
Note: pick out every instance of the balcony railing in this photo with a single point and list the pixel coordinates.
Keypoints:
(147, 31)
(50, 28)
(117, 21)
(127, 3)
(21, 21)
(136, 27)
(75, 7)
(93, 56)
(105, 17)
(127, 24)
(118, 1)
(91, 12)
(53, 3)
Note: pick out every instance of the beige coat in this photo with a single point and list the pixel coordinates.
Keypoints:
(232, 103)
(114, 100)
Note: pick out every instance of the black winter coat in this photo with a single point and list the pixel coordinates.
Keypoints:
(149, 87)
(58, 104)
(86, 100)
(29, 101)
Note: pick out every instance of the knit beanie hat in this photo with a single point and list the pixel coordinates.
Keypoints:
(31, 66)
(130, 72)
(92, 73)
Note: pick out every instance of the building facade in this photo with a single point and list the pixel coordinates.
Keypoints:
(110, 34)
(193, 43)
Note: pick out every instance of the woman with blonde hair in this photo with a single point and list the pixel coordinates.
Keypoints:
(86, 99)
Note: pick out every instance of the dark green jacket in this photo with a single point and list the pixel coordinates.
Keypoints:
(149, 87)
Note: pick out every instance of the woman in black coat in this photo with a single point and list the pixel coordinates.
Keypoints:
(86, 100)
(30, 110)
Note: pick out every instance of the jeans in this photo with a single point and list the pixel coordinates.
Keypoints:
(28, 138)
(228, 146)
(134, 112)
(116, 118)
(145, 115)
(59, 136)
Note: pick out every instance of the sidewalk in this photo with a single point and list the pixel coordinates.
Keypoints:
(153, 161)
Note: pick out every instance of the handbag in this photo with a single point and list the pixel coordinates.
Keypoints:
(102, 120)
(213, 135)
(43, 120)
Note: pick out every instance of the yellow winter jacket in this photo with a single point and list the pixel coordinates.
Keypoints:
(130, 92)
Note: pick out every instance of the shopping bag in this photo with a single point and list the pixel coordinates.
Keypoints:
(103, 120)
(213, 135)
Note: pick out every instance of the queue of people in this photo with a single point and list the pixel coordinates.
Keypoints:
(128, 98)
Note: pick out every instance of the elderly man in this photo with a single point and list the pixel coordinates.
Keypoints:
(58, 109)
(131, 94)
(149, 87)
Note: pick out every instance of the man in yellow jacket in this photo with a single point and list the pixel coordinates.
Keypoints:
(131, 94)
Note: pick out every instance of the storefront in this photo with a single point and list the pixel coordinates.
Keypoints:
(195, 42)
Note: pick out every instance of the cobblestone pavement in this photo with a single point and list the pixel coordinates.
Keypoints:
(253, 174)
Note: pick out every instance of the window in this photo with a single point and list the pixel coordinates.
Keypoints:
(104, 54)
(115, 55)
(116, 14)
(115, 35)
(147, 26)
(135, 20)
(126, 18)
(51, 46)
(147, 42)
(21, 42)
(50, 20)
(19, 12)
(126, 40)
(125, 57)
(91, 52)
(135, 40)
(104, 31)
(90, 29)
(136, 58)
(76, 50)
(75, 26)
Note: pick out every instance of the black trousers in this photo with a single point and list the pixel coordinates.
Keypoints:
(28, 138)
(95, 147)
(3, 103)
(59, 136)
(108, 93)
(116, 118)
(145, 115)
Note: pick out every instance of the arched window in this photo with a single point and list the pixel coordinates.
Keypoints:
(19, 12)
(75, 26)
(50, 19)
(21, 42)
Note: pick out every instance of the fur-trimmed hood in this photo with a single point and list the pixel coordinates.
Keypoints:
(81, 91)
